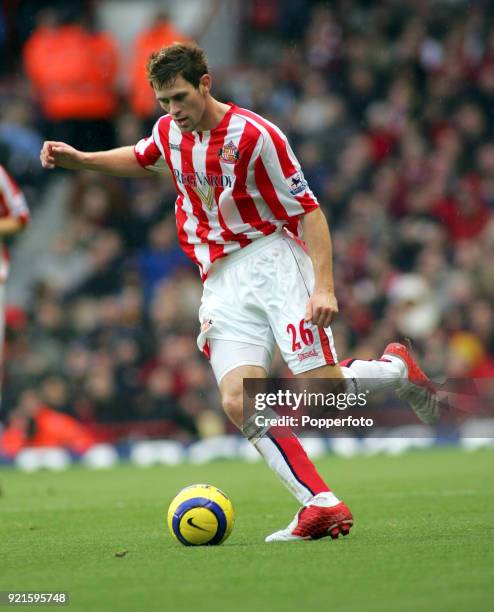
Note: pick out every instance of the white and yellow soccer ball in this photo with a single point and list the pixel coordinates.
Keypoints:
(201, 515)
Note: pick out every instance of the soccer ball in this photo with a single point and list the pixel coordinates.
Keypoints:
(201, 515)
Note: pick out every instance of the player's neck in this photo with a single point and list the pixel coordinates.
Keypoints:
(213, 115)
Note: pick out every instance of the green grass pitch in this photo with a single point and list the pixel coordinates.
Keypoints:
(423, 538)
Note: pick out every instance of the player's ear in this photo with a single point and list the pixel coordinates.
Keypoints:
(205, 84)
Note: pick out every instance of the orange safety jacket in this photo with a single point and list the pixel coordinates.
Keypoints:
(141, 97)
(52, 428)
(73, 72)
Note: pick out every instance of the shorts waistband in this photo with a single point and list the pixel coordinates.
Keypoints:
(254, 247)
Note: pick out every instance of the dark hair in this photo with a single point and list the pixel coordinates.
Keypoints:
(180, 59)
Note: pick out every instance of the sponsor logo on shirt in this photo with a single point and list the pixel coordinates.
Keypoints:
(201, 179)
(229, 153)
(204, 184)
(296, 183)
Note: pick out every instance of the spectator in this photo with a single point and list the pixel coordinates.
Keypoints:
(161, 258)
(73, 71)
(18, 133)
(32, 424)
(160, 33)
(466, 213)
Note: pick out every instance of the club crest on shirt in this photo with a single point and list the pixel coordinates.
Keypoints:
(296, 183)
(229, 153)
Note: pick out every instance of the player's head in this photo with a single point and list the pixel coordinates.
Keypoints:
(180, 79)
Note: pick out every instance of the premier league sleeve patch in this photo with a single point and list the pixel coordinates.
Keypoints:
(296, 183)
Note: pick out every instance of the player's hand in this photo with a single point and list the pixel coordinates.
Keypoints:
(61, 155)
(321, 308)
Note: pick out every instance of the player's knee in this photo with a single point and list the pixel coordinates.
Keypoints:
(233, 406)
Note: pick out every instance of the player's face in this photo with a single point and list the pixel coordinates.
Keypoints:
(184, 102)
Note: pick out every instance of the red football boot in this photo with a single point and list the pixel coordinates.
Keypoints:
(417, 390)
(316, 521)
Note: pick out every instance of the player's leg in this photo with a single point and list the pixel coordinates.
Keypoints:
(278, 446)
(310, 350)
(236, 335)
(281, 297)
(237, 338)
(322, 512)
(396, 369)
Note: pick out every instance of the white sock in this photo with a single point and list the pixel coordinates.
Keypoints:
(286, 457)
(326, 500)
(375, 375)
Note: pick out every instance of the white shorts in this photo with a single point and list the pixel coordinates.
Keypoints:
(257, 296)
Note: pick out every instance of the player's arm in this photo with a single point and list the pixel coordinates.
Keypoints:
(322, 304)
(16, 211)
(11, 225)
(118, 162)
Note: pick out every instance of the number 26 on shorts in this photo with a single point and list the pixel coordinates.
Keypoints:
(305, 333)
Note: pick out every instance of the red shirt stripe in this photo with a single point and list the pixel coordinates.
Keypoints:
(243, 199)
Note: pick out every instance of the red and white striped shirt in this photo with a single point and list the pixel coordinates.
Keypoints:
(12, 204)
(235, 183)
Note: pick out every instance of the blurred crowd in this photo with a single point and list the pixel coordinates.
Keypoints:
(390, 108)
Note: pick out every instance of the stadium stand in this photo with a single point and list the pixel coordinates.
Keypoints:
(389, 106)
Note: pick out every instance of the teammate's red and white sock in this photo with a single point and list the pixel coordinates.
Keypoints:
(377, 374)
(282, 451)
